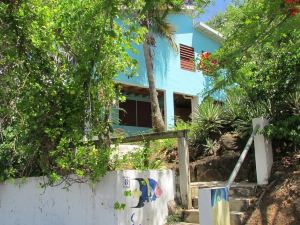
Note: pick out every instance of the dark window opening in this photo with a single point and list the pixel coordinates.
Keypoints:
(187, 58)
(135, 113)
(182, 107)
(144, 114)
(127, 114)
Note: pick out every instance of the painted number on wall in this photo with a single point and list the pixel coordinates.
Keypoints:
(126, 182)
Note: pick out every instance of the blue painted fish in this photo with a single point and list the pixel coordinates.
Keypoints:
(219, 194)
(149, 191)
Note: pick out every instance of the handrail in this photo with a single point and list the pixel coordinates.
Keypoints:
(242, 158)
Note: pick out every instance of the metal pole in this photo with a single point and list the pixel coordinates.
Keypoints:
(242, 158)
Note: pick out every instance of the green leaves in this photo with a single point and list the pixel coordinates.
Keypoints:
(208, 120)
(58, 62)
(119, 206)
(262, 58)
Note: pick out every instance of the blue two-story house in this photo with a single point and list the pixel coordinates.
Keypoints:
(178, 82)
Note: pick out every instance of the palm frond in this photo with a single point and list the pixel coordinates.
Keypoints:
(164, 30)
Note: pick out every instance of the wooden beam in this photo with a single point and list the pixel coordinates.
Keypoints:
(153, 136)
(138, 90)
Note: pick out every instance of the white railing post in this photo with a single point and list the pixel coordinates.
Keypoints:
(263, 153)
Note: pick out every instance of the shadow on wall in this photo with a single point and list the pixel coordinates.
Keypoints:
(183, 23)
(162, 53)
(161, 58)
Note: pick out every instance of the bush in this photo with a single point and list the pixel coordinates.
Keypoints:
(208, 120)
(239, 112)
(144, 158)
(213, 119)
(286, 131)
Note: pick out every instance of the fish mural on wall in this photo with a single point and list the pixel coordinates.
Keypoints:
(148, 191)
(220, 206)
(219, 195)
(132, 219)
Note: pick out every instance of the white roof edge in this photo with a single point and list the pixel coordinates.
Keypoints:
(188, 7)
(217, 36)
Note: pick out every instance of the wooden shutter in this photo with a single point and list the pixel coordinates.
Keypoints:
(187, 57)
(127, 115)
(144, 114)
(135, 113)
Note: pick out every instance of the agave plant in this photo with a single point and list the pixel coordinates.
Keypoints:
(239, 112)
(208, 119)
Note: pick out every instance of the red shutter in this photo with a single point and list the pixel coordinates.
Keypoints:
(187, 57)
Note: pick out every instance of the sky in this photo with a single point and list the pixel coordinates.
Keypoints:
(214, 9)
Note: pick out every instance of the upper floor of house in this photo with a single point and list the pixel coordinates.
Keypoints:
(179, 83)
(176, 70)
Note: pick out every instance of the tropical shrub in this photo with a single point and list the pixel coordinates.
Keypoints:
(261, 57)
(207, 120)
(287, 129)
(144, 158)
(58, 62)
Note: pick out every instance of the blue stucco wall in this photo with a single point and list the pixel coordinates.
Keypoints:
(168, 74)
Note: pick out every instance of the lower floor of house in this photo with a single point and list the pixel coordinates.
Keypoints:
(133, 116)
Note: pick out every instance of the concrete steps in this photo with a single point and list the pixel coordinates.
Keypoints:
(191, 216)
(183, 223)
(240, 204)
(241, 198)
(237, 218)
(237, 189)
(236, 203)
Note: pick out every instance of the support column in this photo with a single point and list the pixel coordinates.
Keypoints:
(169, 109)
(184, 172)
(263, 153)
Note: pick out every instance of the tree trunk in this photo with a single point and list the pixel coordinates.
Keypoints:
(157, 120)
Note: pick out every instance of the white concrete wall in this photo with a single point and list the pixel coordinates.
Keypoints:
(26, 203)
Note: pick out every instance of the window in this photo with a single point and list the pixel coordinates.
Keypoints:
(135, 113)
(144, 114)
(187, 57)
(127, 114)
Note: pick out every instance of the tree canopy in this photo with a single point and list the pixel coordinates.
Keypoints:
(58, 61)
(259, 61)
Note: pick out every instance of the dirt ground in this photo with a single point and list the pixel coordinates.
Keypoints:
(281, 202)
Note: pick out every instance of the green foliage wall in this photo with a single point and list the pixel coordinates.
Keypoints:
(58, 60)
(261, 57)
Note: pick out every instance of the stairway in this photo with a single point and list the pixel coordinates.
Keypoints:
(241, 198)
